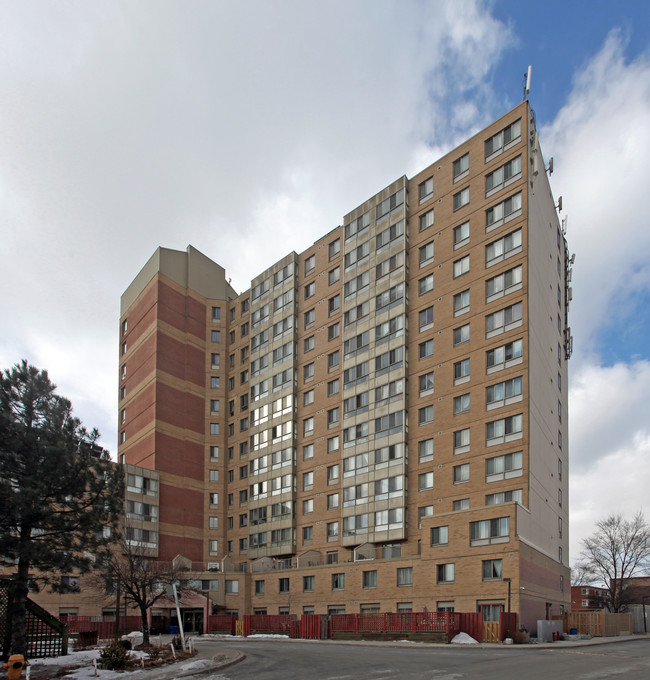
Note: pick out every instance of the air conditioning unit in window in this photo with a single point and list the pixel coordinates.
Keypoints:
(213, 566)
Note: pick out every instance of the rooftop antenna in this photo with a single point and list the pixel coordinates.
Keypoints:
(527, 82)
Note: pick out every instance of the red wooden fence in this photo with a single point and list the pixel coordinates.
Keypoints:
(415, 622)
(222, 623)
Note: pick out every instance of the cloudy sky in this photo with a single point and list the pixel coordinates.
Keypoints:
(242, 127)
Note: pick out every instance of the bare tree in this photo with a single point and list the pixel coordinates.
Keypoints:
(140, 578)
(616, 551)
(580, 576)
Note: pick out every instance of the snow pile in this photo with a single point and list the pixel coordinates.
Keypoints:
(463, 639)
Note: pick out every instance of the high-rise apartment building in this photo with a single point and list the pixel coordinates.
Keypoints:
(380, 422)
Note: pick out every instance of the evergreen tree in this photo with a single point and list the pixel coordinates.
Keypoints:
(60, 495)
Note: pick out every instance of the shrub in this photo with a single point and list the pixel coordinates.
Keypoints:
(115, 656)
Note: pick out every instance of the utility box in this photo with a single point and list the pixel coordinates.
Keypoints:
(545, 630)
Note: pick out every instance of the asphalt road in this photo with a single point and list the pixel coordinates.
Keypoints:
(284, 660)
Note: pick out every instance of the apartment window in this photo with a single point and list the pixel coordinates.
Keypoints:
(461, 335)
(216, 313)
(504, 497)
(332, 531)
(355, 465)
(214, 429)
(461, 404)
(425, 450)
(356, 285)
(283, 585)
(445, 573)
(307, 451)
(425, 190)
(461, 266)
(425, 284)
(308, 371)
(310, 289)
(426, 220)
(334, 304)
(504, 430)
(390, 235)
(332, 474)
(334, 331)
(357, 344)
(461, 303)
(426, 254)
(357, 226)
(310, 264)
(461, 473)
(503, 320)
(308, 506)
(216, 360)
(356, 404)
(332, 360)
(310, 318)
(492, 570)
(334, 275)
(405, 576)
(501, 177)
(332, 501)
(308, 398)
(309, 343)
(439, 536)
(461, 441)
(502, 248)
(425, 349)
(307, 535)
(559, 439)
(425, 414)
(214, 452)
(307, 426)
(389, 298)
(334, 248)
(487, 531)
(461, 371)
(425, 382)
(460, 504)
(259, 587)
(425, 481)
(502, 212)
(424, 511)
(308, 584)
(426, 318)
(461, 167)
(503, 139)
(214, 499)
(504, 393)
(369, 579)
(355, 375)
(332, 444)
(503, 284)
(461, 198)
(389, 204)
(332, 416)
(389, 360)
(243, 424)
(461, 235)
(389, 265)
(214, 475)
(357, 256)
(338, 581)
(332, 387)
(356, 313)
(505, 356)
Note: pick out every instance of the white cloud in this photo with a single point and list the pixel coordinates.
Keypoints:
(599, 141)
(245, 133)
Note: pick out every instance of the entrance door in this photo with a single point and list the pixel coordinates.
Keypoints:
(193, 621)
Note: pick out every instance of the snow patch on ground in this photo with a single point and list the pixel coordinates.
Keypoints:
(463, 639)
(268, 635)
